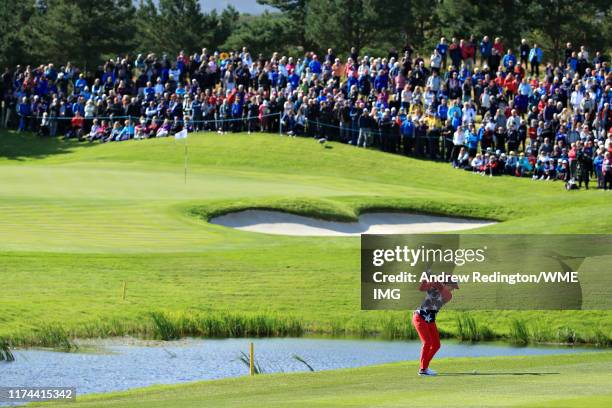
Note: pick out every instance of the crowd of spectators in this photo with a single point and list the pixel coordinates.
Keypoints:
(481, 105)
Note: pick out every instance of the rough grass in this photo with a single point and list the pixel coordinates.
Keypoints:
(76, 220)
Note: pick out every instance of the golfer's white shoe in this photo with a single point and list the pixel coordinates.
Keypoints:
(427, 371)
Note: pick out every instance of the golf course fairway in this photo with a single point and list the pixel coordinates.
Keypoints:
(102, 240)
(578, 381)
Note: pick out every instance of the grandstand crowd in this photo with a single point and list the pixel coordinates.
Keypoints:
(480, 105)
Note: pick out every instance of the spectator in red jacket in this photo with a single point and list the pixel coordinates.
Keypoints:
(606, 170)
(511, 85)
(497, 44)
(467, 53)
(76, 126)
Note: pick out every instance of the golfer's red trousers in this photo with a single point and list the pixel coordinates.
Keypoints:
(428, 332)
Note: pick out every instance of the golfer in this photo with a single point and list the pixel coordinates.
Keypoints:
(424, 319)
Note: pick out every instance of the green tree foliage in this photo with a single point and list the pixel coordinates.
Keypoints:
(342, 24)
(424, 26)
(173, 25)
(292, 8)
(83, 31)
(509, 19)
(223, 25)
(262, 34)
(550, 23)
(576, 21)
(457, 18)
(88, 31)
(54, 32)
(295, 24)
(13, 16)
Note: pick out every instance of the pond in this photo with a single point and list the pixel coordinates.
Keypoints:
(121, 364)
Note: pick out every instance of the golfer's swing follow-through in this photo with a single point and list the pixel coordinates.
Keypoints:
(424, 319)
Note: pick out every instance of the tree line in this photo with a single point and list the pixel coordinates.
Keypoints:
(86, 32)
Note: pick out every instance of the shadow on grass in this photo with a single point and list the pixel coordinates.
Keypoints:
(505, 373)
(21, 146)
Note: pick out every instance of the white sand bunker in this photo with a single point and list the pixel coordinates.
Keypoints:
(280, 223)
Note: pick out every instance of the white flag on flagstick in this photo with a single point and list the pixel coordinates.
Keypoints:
(181, 135)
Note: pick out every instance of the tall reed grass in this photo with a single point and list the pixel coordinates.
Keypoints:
(469, 330)
(567, 335)
(246, 360)
(395, 328)
(519, 334)
(599, 339)
(170, 326)
(164, 329)
(5, 350)
(540, 333)
(304, 362)
(164, 325)
(49, 335)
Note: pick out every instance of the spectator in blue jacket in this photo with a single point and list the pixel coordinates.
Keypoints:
(471, 139)
(381, 81)
(455, 111)
(315, 65)
(364, 84)
(273, 77)
(237, 114)
(51, 72)
(442, 48)
(350, 82)
(442, 111)
(80, 84)
(407, 131)
(597, 165)
(485, 49)
(535, 59)
(293, 79)
(509, 61)
(42, 87)
(456, 119)
(573, 62)
(79, 106)
(23, 110)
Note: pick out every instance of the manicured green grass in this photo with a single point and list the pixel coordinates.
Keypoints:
(77, 220)
(578, 380)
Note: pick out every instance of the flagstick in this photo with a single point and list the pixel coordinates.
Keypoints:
(185, 160)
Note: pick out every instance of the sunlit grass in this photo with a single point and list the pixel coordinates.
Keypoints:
(77, 220)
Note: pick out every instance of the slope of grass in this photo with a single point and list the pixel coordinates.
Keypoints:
(578, 381)
(77, 220)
